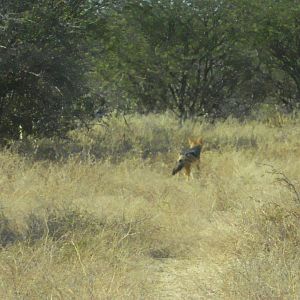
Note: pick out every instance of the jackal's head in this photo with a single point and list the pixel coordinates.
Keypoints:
(195, 142)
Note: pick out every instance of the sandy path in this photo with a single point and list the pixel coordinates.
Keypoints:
(182, 279)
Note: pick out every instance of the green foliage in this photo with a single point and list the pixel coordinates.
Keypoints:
(63, 61)
(177, 55)
(42, 83)
(273, 28)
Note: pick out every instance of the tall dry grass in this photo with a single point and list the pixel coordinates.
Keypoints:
(98, 215)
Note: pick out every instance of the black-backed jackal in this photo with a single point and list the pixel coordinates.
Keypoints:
(189, 157)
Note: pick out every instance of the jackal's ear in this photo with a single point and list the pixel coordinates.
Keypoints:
(200, 141)
(191, 142)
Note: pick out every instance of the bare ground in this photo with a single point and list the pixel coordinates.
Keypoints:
(182, 279)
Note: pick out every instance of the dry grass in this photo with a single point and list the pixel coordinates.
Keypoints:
(102, 218)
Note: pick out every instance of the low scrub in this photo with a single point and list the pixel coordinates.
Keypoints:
(103, 217)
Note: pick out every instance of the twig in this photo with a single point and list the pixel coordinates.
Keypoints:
(127, 234)
(126, 123)
(79, 258)
(285, 180)
(282, 178)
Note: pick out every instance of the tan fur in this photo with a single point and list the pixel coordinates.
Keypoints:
(195, 142)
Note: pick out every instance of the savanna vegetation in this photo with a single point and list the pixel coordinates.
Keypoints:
(65, 62)
(101, 217)
(96, 100)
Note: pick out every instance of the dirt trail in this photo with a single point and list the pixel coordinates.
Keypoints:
(183, 279)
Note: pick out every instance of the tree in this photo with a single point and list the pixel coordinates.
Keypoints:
(273, 28)
(43, 61)
(181, 55)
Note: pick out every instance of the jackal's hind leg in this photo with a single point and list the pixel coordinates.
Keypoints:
(187, 171)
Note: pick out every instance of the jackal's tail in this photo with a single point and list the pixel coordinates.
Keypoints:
(178, 167)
